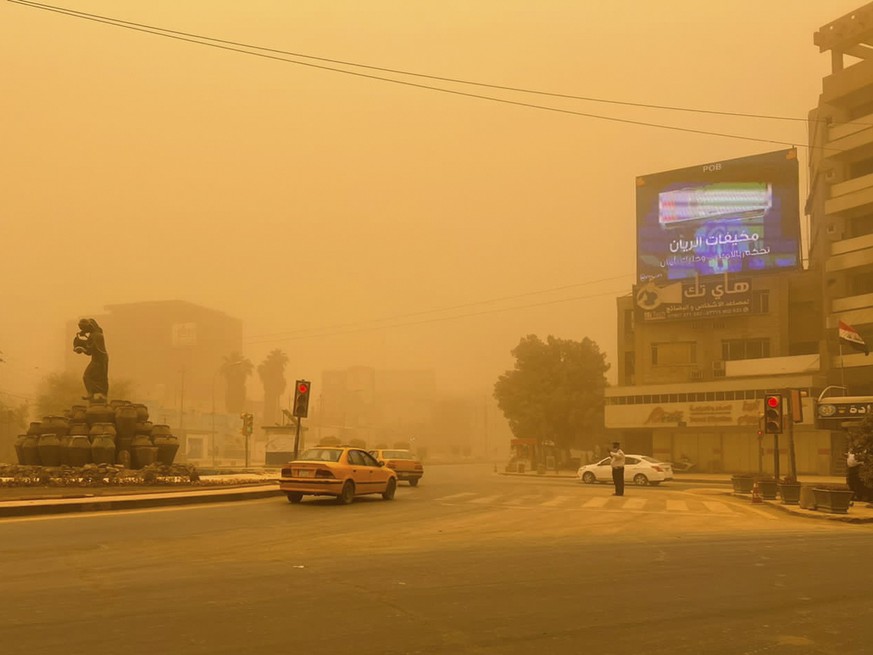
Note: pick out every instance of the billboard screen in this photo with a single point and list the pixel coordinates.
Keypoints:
(735, 216)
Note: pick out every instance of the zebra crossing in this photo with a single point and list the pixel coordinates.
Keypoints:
(678, 506)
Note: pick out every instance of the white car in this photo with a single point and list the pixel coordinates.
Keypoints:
(639, 469)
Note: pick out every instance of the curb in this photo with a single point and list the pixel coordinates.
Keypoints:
(795, 510)
(132, 501)
(558, 476)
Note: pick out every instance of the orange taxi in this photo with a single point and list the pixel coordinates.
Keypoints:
(403, 462)
(339, 471)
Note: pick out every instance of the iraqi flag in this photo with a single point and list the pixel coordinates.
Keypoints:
(850, 336)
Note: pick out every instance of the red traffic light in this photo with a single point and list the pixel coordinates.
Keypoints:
(302, 387)
(773, 401)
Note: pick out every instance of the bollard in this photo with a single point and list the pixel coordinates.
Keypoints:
(756, 493)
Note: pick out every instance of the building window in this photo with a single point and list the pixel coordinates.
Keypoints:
(674, 353)
(861, 168)
(628, 321)
(761, 302)
(860, 225)
(861, 283)
(803, 348)
(630, 364)
(735, 349)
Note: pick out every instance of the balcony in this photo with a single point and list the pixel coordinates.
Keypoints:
(850, 253)
(850, 136)
(852, 303)
(854, 317)
(849, 195)
(773, 366)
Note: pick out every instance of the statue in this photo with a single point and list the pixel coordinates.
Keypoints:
(89, 341)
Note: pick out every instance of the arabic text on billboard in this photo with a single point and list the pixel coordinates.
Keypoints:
(735, 216)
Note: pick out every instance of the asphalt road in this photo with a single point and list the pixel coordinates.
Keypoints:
(468, 562)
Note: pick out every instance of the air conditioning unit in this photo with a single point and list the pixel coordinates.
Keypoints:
(697, 374)
(718, 370)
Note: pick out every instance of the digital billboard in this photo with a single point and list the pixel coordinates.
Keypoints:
(735, 216)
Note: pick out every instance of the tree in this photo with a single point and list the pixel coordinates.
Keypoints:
(555, 391)
(272, 374)
(13, 421)
(236, 369)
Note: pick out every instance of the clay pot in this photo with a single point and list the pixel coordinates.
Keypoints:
(144, 428)
(79, 450)
(102, 428)
(30, 450)
(140, 451)
(103, 449)
(160, 429)
(57, 425)
(77, 428)
(65, 450)
(35, 428)
(142, 412)
(144, 455)
(125, 420)
(78, 413)
(49, 448)
(99, 413)
(167, 446)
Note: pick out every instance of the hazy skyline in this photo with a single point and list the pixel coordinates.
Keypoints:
(314, 205)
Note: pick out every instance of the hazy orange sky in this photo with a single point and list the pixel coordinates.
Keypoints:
(137, 167)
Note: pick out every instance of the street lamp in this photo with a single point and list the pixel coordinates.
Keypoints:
(214, 377)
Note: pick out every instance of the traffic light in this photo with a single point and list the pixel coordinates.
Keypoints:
(774, 410)
(301, 398)
(248, 425)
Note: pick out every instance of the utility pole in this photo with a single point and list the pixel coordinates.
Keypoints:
(795, 411)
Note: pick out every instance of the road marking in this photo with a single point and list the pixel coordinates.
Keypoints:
(719, 508)
(557, 500)
(522, 499)
(455, 496)
(635, 503)
(485, 499)
(677, 506)
(596, 502)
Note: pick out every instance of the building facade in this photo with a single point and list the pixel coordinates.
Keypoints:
(692, 382)
(840, 203)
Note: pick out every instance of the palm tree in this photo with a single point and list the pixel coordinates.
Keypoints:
(235, 370)
(272, 374)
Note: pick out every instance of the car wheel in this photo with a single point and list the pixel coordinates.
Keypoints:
(641, 480)
(294, 497)
(347, 495)
(413, 482)
(588, 477)
(388, 494)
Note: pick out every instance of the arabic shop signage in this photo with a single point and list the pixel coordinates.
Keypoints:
(830, 413)
(708, 298)
(736, 413)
